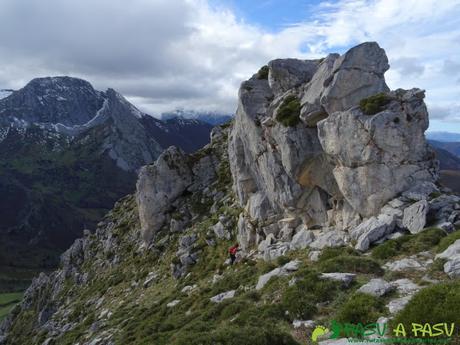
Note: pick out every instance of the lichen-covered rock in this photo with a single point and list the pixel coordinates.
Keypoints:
(376, 287)
(302, 239)
(452, 257)
(333, 165)
(284, 74)
(387, 154)
(345, 278)
(329, 239)
(223, 296)
(158, 186)
(414, 218)
(285, 270)
(372, 230)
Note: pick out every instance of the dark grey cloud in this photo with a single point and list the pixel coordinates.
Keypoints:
(159, 51)
(164, 54)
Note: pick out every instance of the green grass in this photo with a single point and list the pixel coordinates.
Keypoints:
(289, 112)
(435, 304)
(353, 264)
(374, 104)
(445, 242)
(409, 244)
(7, 303)
(361, 308)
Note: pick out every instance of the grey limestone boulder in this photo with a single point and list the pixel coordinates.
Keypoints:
(414, 218)
(376, 287)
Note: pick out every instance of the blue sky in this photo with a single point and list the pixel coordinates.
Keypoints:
(194, 54)
(272, 15)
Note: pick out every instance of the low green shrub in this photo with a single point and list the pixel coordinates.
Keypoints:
(300, 299)
(409, 244)
(447, 241)
(282, 260)
(345, 263)
(329, 253)
(299, 304)
(289, 112)
(263, 73)
(360, 308)
(374, 104)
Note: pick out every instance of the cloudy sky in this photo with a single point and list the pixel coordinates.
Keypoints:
(193, 54)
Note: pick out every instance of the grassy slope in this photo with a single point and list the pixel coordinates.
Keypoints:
(116, 300)
(7, 302)
(140, 316)
(56, 189)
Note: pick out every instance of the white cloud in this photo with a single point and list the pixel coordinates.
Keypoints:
(164, 54)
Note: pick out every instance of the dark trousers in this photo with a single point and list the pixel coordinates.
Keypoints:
(232, 258)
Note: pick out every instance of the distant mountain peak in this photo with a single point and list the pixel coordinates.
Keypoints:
(66, 100)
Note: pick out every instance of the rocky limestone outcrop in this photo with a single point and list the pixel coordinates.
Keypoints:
(170, 192)
(331, 165)
(158, 185)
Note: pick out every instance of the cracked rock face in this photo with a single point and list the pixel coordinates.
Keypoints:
(334, 166)
(379, 156)
(157, 186)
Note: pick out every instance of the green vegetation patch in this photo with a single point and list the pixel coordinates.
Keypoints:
(438, 303)
(300, 299)
(409, 244)
(348, 263)
(374, 104)
(289, 112)
(7, 303)
(445, 242)
(263, 73)
(361, 308)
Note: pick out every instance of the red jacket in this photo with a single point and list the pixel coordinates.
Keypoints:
(233, 250)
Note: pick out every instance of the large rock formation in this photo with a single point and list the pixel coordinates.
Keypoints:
(328, 162)
(318, 160)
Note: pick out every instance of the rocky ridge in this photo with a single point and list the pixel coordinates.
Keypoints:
(339, 188)
(71, 107)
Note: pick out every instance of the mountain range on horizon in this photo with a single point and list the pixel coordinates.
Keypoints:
(67, 153)
(443, 136)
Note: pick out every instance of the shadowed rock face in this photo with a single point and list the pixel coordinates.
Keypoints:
(337, 165)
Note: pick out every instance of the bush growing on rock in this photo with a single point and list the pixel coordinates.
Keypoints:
(263, 73)
(289, 112)
(374, 104)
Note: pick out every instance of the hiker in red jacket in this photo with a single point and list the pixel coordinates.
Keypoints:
(232, 251)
